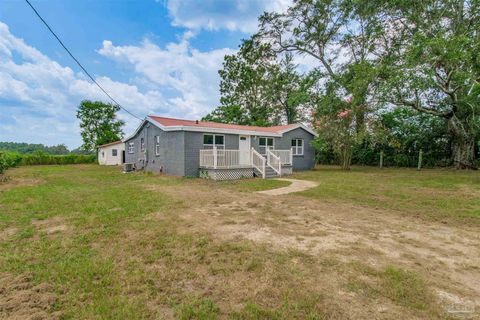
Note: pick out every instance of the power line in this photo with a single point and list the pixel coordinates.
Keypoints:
(78, 62)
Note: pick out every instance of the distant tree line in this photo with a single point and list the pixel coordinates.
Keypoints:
(27, 148)
(390, 77)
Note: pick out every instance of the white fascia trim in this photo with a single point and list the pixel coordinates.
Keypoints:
(136, 131)
(300, 126)
(212, 130)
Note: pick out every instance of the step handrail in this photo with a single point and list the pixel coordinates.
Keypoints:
(274, 162)
(258, 162)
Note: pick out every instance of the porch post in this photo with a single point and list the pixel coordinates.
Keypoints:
(251, 157)
(215, 157)
(291, 156)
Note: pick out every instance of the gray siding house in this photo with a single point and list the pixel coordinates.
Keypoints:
(219, 151)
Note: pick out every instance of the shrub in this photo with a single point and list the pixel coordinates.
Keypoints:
(41, 158)
(9, 160)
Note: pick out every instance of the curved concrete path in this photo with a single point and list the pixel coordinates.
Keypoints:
(296, 186)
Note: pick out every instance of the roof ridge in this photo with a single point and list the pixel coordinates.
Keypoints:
(231, 124)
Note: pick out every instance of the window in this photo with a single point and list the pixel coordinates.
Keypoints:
(130, 147)
(114, 152)
(142, 144)
(157, 145)
(103, 154)
(213, 140)
(297, 147)
(265, 143)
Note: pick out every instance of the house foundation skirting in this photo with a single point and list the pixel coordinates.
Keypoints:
(226, 174)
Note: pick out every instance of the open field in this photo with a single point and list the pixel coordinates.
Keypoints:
(85, 241)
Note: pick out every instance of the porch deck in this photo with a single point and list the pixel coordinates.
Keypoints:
(221, 164)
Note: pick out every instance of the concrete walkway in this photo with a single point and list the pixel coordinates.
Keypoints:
(296, 186)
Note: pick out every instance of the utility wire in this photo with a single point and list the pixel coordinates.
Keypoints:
(78, 62)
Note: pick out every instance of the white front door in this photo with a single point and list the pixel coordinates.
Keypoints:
(244, 147)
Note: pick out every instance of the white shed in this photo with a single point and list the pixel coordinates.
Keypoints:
(111, 154)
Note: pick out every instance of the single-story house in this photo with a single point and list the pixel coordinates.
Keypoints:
(111, 154)
(217, 150)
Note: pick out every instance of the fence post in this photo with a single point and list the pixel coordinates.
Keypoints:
(215, 157)
(381, 159)
(420, 155)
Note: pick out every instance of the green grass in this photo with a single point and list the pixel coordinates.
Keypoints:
(125, 254)
(401, 286)
(438, 194)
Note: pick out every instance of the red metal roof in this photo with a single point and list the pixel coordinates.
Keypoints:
(171, 122)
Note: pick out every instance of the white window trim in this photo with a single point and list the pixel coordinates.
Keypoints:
(296, 147)
(131, 146)
(157, 145)
(266, 146)
(213, 144)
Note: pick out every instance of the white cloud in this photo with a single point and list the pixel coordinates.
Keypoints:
(189, 74)
(221, 14)
(176, 81)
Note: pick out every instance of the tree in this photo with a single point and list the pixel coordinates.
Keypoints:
(431, 63)
(243, 86)
(257, 89)
(289, 91)
(339, 35)
(98, 123)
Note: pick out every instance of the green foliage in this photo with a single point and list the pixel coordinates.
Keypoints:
(431, 64)
(98, 123)
(40, 158)
(260, 88)
(8, 160)
(30, 148)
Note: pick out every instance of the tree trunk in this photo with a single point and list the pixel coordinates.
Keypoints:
(464, 153)
(463, 145)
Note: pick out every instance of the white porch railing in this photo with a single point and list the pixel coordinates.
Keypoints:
(258, 162)
(286, 156)
(225, 159)
(274, 162)
(220, 158)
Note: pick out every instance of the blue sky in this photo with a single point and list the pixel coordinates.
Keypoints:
(154, 57)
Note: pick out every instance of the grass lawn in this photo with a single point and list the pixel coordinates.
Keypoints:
(435, 194)
(88, 242)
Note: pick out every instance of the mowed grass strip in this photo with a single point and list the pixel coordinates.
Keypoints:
(430, 194)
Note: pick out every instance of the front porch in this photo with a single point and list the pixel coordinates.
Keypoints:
(221, 164)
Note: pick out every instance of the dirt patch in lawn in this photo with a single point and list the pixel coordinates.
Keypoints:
(20, 298)
(8, 233)
(51, 225)
(447, 256)
(19, 182)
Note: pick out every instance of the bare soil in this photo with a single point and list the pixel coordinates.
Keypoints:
(21, 299)
(446, 255)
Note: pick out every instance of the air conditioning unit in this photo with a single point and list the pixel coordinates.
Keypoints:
(128, 167)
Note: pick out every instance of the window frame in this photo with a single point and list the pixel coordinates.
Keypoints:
(131, 147)
(142, 144)
(116, 153)
(260, 147)
(157, 145)
(296, 147)
(214, 144)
